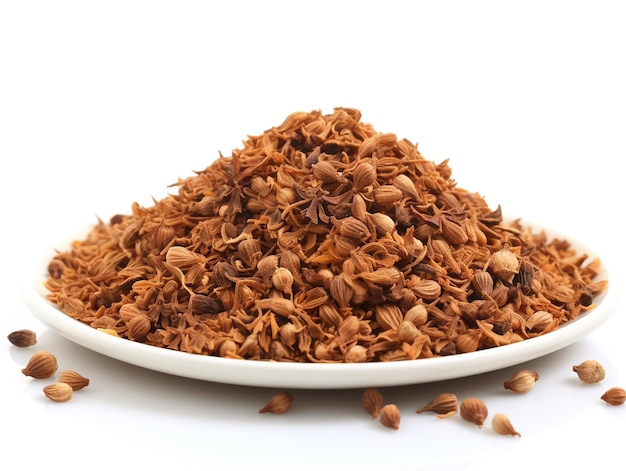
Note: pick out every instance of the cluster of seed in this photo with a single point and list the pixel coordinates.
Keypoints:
(43, 365)
(474, 410)
(322, 240)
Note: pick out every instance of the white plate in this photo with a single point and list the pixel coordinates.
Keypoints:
(309, 375)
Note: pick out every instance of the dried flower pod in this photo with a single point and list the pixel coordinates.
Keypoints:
(388, 316)
(407, 332)
(73, 379)
(326, 172)
(522, 381)
(352, 228)
(539, 321)
(282, 279)
(589, 371)
(383, 223)
(615, 396)
(444, 405)
(504, 264)
(502, 425)
(58, 392)
(278, 404)
(41, 365)
(372, 401)
(138, 327)
(482, 282)
(390, 416)
(23, 338)
(363, 175)
(418, 315)
(427, 289)
(474, 410)
(387, 195)
(356, 354)
(406, 186)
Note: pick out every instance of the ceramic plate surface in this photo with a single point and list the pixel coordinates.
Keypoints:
(309, 375)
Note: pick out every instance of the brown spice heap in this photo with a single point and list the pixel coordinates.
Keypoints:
(322, 240)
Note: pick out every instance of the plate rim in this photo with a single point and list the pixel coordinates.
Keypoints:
(263, 373)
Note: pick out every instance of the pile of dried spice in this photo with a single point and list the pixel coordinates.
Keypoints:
(322, 240)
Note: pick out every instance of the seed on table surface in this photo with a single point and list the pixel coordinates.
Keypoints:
(474, 410)
(502, 425)
(278, 404)
(590, 371)
(522, 381)
(58, 392)
(23, 338)
(372, 400)
(615, 396)
(73, 379)
(390, 416)
(41, 365)
(444, 405)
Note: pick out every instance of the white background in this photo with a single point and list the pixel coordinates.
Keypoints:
(106, 103)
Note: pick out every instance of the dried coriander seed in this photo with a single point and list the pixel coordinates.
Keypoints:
(41, 365)
(58, 392)
(444, 405)
(390, 416)
(522, 381)
(278, 404)
(502, 425)
(474, 410)
(615, 396)
(590, 371)
(23, 338)
(73, 379)
(372, 401)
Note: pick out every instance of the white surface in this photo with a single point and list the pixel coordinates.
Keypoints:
(309, 375)
(102, 104)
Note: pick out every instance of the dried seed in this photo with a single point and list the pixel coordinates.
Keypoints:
(278, 404)
(73, 379)
(473, 410)
(444, 405)
(282, 279)
(58, 392)
(539, 321)
(41, 365)
(390, 416)
(372, 401)
(502, 425)
(23, 338)
(615, 396)
(590, 371)
(504, 264)
(522, 381)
